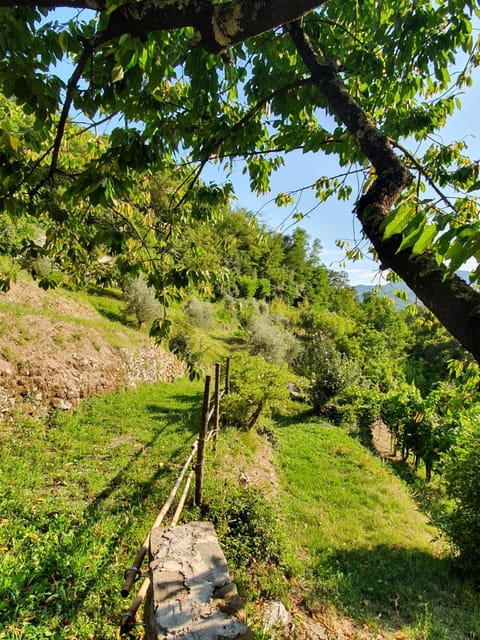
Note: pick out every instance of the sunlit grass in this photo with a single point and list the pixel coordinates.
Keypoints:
(360, 543)
(77, 496)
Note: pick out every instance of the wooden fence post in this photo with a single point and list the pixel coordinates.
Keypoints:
(227, 376)
(201, 444)
(216, 406)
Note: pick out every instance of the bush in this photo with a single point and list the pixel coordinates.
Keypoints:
(325, 367)
(461, 473)
(200, 312)
(245, 524)
(183, 344)
(268, 340)
(264, 289)
(256, 387)
(141, 301)
(250, 537)
(247, 286)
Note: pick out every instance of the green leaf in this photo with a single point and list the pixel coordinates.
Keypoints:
(284, 200)
(425, 239)
(117, 73)
(396, 222)
(475, 187)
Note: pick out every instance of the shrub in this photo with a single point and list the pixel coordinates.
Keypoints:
(245, 524)
(256, 387)
(200, 312)
(325, 367)
(183, 344)
(247, 286)
(140, 300)
(251, 538)
(268, 340)
(461, 473)
(264, 289)
(245, 312)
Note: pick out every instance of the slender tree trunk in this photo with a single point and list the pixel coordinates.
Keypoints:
(255, 415)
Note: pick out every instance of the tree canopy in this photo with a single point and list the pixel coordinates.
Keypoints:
(100, 98)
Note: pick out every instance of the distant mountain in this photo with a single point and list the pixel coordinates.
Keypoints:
(389, 288)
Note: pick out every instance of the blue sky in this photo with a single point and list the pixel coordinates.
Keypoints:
(333, 220)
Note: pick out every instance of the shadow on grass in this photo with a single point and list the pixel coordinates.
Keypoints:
(188, 415)
(394, 585)
(65, 573)
(303, 415)
(235, 342)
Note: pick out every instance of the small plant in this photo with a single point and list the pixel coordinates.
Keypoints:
(141, 301)
(256, 387)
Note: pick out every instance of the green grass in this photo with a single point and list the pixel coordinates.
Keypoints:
(364, 547)
(78, 494)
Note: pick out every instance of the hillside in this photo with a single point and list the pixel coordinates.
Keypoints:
(397, 291)
(321, 524)
(56, 348)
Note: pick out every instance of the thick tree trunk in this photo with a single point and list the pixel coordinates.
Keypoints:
(453, 301)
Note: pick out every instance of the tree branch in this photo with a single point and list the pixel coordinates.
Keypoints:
(214, 145)
(455, 304)
(424, 173)
(218, 26)
(72, 83)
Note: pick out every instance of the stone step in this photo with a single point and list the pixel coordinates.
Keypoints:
(191, 595)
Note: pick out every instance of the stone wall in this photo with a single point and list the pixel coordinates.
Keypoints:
(37, 381)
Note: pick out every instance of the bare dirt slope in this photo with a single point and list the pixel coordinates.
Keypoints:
(53, 352)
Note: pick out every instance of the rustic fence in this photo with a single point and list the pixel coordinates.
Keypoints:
(209, 430)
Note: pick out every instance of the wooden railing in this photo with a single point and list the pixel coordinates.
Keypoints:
(210, 413)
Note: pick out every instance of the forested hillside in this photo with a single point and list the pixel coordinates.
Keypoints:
(110, 112)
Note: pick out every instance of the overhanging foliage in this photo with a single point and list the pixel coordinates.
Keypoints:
(197, 81)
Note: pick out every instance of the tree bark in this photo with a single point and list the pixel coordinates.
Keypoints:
(217, 26)
(453, 301)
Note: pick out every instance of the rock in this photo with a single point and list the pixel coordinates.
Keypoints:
(243, 478)
(275, 616)
(5, 369)
(191, 595)
(61, 403)
(317, 631)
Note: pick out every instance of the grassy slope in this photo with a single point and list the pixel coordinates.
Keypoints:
(77, 495)
(365, 548)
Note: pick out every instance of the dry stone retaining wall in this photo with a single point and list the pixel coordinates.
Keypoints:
(34, 385)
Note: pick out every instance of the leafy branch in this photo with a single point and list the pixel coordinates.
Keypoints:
(421, 169)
